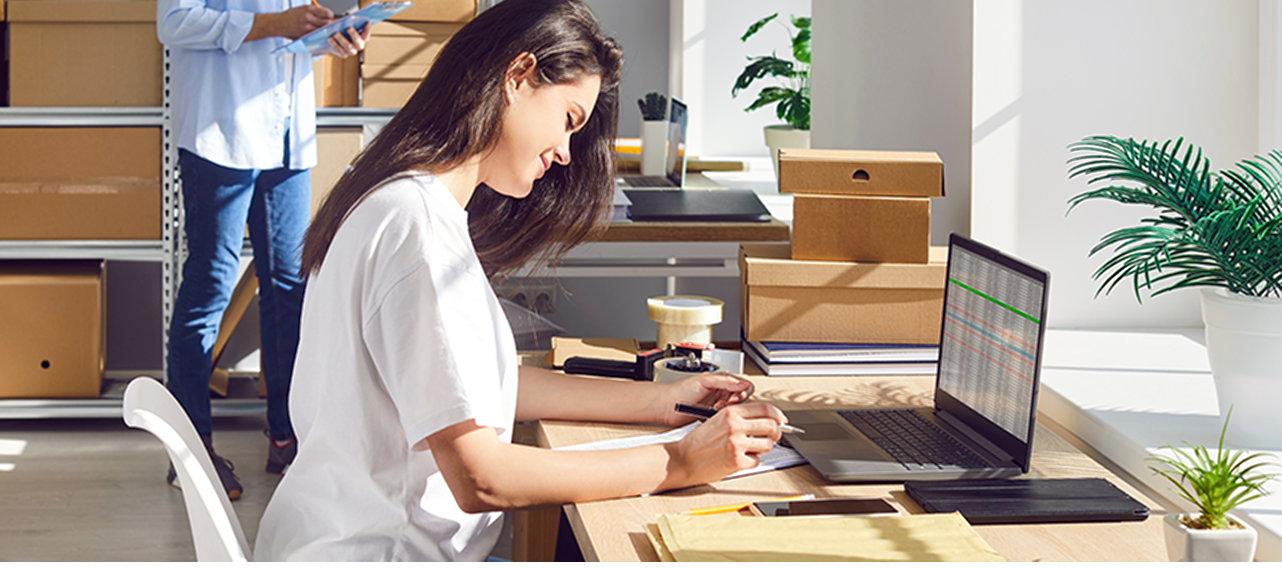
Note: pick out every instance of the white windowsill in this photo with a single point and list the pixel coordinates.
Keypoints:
(1127, 393)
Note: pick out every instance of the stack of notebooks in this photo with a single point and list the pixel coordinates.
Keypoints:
(799, 359)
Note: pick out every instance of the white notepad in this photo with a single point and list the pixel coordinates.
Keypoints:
(779, 457)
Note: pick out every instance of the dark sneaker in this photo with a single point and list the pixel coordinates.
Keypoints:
(279, 456)
(225, 470)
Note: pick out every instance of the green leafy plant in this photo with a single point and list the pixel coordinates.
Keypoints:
(1216, 229)
(1215, 484)
(792, 96)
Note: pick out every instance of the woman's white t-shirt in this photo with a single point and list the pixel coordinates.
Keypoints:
(401, 336)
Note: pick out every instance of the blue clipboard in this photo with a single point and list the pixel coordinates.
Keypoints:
(319, 38)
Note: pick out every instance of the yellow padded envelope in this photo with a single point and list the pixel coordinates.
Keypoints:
(729, 538)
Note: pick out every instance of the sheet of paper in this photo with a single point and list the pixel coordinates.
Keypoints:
(779, 457)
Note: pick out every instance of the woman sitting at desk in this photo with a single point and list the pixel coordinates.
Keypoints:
(407, 384)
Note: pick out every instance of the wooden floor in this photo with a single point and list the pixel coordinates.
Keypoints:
(94, 490)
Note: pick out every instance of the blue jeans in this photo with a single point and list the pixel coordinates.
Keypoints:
(218, 201)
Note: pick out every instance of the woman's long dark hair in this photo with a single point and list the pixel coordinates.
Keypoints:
(457, 113)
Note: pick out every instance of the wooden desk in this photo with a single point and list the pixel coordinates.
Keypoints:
(612, 530)
(658, 231)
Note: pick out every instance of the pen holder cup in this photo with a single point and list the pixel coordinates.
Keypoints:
(654, 141)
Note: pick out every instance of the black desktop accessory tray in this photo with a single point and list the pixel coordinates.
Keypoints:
(993, 501)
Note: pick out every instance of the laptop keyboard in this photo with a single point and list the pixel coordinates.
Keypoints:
(912, 440)
(647, 181)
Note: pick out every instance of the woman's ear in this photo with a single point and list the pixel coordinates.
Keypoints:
(519, 74)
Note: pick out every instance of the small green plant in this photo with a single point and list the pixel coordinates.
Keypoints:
(654, 106)
(1215, 484)
(1216, 229)
(792, 97)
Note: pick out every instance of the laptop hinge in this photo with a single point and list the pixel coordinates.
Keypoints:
(974, 436)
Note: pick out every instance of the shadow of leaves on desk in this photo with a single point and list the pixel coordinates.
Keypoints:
(871, 394)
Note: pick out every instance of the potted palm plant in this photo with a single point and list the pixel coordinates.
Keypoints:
(1215, 484)
(791, 94)
(1217, 231)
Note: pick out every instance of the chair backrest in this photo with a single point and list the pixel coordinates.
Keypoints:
(215, 529)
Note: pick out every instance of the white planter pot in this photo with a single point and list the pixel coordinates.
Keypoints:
(654, 142)
(784, 136)
(1187, 545)
(1244, 345)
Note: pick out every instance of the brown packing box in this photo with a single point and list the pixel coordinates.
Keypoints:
(861, 172)
(389, 87)
(337, 81)
(843, 302)
(336, 147)
(434, 11)
(80, 183)
(406, 43)
(861, 229)
(84, 53)
(51, 339)
(396, 59)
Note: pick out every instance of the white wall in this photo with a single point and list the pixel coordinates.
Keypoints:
(1050, 73)
(641, 28)
(1041, 75)
(896, 75)
(712, 60)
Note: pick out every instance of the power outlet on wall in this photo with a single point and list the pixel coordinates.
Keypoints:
(539, 298)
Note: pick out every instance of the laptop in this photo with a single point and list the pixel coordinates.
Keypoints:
(985, 407)
(696, 205)
(674, 176)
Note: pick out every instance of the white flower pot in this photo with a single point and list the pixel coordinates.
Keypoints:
(784, 136)
(1244, 345)
(1187, 545)
(654, 142)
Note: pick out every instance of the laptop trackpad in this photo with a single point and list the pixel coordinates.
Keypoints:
(823, 432)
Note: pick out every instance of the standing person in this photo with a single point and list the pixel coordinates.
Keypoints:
(407, 383)
(244, 122)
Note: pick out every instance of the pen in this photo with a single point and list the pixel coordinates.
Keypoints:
(716, 509)
(705, 413)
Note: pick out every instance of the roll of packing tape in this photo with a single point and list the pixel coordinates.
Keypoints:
(685, 318)
(673, 369)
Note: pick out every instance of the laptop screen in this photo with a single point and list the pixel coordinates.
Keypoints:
(675, 166)
(990, 344)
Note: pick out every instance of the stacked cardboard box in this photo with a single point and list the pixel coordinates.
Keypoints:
(337, 81)
(80, 183)
(861, 206)
(51, 343)
(83, 53)
(860, 268)
(401, 50)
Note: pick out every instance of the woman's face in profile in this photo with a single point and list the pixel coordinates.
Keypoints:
(536, 131)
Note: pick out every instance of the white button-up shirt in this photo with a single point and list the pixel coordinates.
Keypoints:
(232, 101)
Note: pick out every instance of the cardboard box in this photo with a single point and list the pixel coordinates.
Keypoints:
(397, 58)
(856, 228)
(80, 183)
(390, 86)
(406, 43)
(861, 172)
(337, 81)
(336, 147)
(434, 11)
(84, 53)
(51, 340)
(846, 302)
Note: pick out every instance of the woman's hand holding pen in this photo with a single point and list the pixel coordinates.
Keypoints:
(293, 23)
(726, 443)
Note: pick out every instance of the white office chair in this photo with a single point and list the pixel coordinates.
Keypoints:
(215, 529)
